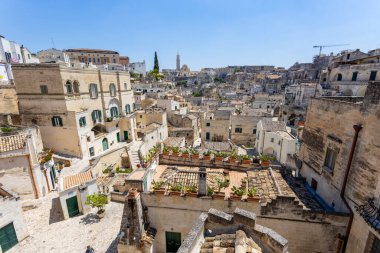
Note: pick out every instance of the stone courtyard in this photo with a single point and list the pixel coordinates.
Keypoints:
(48, 232)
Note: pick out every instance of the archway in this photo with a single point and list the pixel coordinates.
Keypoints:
(105, 144)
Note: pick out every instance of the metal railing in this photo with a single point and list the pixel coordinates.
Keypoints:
(370, 213)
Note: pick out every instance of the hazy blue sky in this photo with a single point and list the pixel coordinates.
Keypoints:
(206, 33)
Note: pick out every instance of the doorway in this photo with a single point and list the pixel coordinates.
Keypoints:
(72, 206)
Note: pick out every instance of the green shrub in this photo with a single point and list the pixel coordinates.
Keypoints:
(97, 200)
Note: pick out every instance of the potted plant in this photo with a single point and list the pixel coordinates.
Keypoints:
(210, 191)
(185, 153)
(158, 187)
(175, 151)
(233, 158)
(195, 154)
(191, 190)
(166, 151)
(251, 193)
(99, 201)
(218, 156)
(221, 183)
(245, 159)
(265, 160)
(237, 193)
(175, 189)
(206, 155)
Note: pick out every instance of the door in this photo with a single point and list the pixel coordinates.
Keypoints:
(72, 206)
(125, 135)
(118, 137)
(207, 136)
(173, 241)
(8, 237)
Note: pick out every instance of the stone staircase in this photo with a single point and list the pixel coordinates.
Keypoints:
(133, 152)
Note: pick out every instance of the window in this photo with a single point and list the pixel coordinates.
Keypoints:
(279, 142)
(339, 77)
(114, 112)
(354, 76)
(238, 130)
(44, 89)
(208, 124)
(98, 60)
(69, 87)
(254, 131)
(125, 86)
(127, 109)
(28, 56)
(372, 76)
(96, 116)
(348, 56)
(271, 139)
(76, 87)
(92, 151)
(93, 91)
(114, 60)
(207, 136)
(82, 121)
(89, 59)
(112, 90)
(94, 60)
(56, 121)
(330, 159)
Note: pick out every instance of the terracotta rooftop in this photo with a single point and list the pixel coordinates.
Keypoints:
(78, 179)
(13, 142)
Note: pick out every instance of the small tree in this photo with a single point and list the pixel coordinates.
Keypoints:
(97, 200)
(156, 67)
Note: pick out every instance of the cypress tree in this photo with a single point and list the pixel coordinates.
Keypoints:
(156, 67)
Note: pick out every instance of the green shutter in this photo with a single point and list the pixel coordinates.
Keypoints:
(60, 121)
(8, 237)
(52, 121)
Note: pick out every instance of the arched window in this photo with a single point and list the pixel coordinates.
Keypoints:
(134, 106)
(93, 91)
(69, 87)
(76, 87)
(105, 144)
(112, 90)
(114, 112)
(339, 77)
(127, 109)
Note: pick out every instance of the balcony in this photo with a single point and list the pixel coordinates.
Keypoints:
(370, 213)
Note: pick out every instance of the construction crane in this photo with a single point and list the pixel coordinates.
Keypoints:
(336, 45)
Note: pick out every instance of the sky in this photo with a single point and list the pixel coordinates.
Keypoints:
(206, 33)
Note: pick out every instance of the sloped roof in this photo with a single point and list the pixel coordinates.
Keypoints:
(13, 142)
(273, 126)
(78, 179)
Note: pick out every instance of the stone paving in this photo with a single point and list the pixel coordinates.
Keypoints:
(49, 233)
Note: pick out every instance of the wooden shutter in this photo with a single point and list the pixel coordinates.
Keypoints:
(52, 121)
(60, 121)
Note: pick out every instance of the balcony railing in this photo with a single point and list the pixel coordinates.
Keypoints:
(370, 213)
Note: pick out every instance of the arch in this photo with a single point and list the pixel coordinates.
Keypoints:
(127, 108)
(339, 77)
(112, 90)
(105, 144)
(69, 87)
(361, 91)
(76, 86)
(93, 90)
(347, 92)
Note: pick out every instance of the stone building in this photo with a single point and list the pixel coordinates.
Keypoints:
(350, 71)
(243, 129)
(184, 126)
(13, 228)
(340, 158)
(53, 55)
(24, 167)
(282, 204)
(215, 126)
(92, 56)
(273, 139)
(80, 112)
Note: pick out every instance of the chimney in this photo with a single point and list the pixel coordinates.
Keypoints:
(202, 182)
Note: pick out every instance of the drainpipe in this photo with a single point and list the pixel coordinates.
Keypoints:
(32, 176)
(357, 129)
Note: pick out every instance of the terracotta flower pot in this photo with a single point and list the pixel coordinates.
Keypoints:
(165, 153)
(219, 195)
(101, 214)
(246, 161)
(175, 193)
(235, 197)
(185, 155)
(175, 154)
(265, 164)
(219, 158)
(191, 194)
(232, 160)
(160, 191)
(206, 157)
(195, 156)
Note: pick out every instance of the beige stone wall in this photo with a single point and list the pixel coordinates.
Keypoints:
(8, 101)
(218, 129)
(330, 124)
(248, 125)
